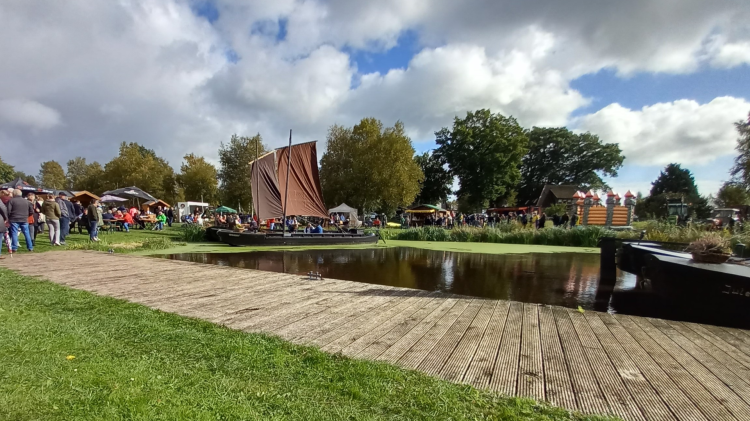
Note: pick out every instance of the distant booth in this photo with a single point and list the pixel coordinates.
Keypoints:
(612, 212)
(558, 193)
(153, 205)
(421, 215)
(85, 197)
(188, 208)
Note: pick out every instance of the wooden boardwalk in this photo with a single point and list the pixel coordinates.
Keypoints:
(632, 367)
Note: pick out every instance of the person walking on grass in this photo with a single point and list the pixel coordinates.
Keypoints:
(19, 211)
(64, 216)
(92, 215)
(3, 218)
(52, 213)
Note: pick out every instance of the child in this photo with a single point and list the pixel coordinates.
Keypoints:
(127, 221)
(160, 220)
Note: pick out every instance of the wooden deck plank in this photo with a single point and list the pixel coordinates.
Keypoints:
(441, 352)
(455, 367)
(589, 396)
(618, 396)
(558, 387)
(677, 402)
(505, 372)
(724, 345)
(480, 368)
(531, 373)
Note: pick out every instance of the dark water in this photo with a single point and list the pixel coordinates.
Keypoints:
(564, 279)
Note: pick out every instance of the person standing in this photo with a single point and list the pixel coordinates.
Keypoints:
(77, 213)
(92, 215)
(3, 218)
(64, 216)
(170, 216)
(574, 220)
(564, 220)
(34, 218)
(19, 211)
(51, 211)
(41, 220)
(542, 220)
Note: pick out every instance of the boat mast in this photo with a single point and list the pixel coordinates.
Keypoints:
(257, 184)
(286, 188)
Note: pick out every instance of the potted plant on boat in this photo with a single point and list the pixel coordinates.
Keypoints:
(712, 248)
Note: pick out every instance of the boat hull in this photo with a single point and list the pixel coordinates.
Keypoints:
(240, 239)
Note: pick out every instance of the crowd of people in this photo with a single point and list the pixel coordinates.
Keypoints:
(31, 215)
(537, 220)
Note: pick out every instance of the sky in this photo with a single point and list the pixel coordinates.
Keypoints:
(664, 79)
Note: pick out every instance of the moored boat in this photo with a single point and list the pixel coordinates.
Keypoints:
(239, 239)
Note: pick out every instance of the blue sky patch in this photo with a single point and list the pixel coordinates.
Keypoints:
(206, 9)
(397, 57)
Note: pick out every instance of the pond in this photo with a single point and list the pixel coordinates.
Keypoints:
(564, 279)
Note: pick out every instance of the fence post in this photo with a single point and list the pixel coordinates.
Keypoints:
(610, 208)
(587, 202)
(630, 204)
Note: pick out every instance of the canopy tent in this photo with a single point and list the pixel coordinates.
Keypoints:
(25, 187)
(107, 198)
(130, 193)
(224, 209)
(425, 209)
(301, 195)
(343, 208)
(85, 197)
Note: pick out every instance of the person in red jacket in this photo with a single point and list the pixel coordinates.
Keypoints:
(128, 221)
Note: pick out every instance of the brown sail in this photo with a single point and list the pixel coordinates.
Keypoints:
(269, 186)
(305, 196)
(265, 185)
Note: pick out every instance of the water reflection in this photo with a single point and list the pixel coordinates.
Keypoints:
(566, 279)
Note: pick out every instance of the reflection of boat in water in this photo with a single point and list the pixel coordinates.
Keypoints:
(723, 289)
(286, 182)
(296, 239)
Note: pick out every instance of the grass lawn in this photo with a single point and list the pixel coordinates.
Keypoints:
(69, 354)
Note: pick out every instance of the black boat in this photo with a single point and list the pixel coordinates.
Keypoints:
(722, 288)
(239, 239)
(286, 182)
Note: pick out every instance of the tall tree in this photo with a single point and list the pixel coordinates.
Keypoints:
(235, 172)
(7, 171)
(51, 175)
(199, 179)
(732, 194)
(138, 166)
(673, 182)
(437, 180)
(76, 173)
(484, 151)
(674, 179)
(558, 156)
(25, 177)
(741, 169)
(370, 167)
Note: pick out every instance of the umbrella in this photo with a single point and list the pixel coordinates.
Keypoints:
(110, 198)
(130, 192)
(18, 183)
(122, 209)
(224, 209)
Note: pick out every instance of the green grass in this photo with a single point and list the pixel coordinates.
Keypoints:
(135, 363)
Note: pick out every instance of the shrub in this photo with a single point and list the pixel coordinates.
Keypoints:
(192, 233)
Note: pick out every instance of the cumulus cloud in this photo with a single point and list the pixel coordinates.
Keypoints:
(28, 113)
(681, 131)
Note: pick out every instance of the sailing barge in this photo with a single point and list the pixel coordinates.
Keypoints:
(285, 182)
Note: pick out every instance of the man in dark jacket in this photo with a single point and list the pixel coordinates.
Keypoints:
(68, 213)
(93, 219)
(19, 211)
(3, 218)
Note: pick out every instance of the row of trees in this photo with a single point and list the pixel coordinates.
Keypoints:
(736, 191)
(136, 165)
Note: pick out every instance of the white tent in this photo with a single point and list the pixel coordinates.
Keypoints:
(348, 211)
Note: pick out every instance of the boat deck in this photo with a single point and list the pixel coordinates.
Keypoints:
(632, 367)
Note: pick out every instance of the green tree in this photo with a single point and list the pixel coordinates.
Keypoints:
(7, 171)
(199, 179)
(25, 177)
(559, 156)
(741, 169)
(76, 174)
(732, 194)
(484, 151)
(51, 175)
(437, 180)
(235, 171)
(674, 179)
(370, 167)
(673, 183)
(138, 166)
